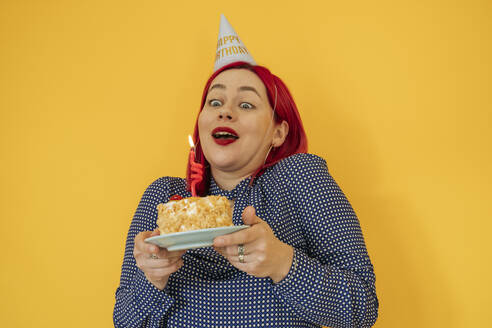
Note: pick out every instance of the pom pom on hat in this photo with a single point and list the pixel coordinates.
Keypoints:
(229, 47)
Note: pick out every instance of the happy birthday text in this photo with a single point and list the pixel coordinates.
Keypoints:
(231, 49)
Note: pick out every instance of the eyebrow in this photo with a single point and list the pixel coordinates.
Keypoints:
(243, 88)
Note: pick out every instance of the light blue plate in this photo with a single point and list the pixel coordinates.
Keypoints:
(192, 239)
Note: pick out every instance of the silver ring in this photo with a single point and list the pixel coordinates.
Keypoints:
(240, 253)
(153, 256)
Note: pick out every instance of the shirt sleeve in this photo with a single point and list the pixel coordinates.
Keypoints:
(331, 281)
(138, 302)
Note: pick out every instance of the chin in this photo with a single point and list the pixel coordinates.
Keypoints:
(223, 164)
(218, 156)
(231, 159)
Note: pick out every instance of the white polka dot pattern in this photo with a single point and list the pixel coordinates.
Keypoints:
(331, 281)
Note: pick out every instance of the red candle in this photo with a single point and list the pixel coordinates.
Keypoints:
(195, 168)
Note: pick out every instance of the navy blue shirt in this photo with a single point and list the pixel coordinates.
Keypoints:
(331, 281)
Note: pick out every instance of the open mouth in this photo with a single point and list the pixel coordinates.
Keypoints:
(224, 133)
(224, 136)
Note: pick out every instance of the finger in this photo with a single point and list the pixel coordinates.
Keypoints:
(247, 267)
(164, 253)
(219, 250)
(240, 237)
(233, 258)
(156, 253)
(154, 249)
(158, 273)
(151, 248)
(247, 259)
(249, 216)
(142, 235)
(222, 251)
(161, 263)
(139, 240)
(234, 250)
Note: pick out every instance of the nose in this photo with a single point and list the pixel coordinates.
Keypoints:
(225, 113)
(228, 117)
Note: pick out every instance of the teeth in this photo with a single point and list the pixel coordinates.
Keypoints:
(224, 134)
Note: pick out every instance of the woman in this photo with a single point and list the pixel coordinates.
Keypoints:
(301, 263)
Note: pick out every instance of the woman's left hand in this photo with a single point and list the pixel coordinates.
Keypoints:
(264, 254)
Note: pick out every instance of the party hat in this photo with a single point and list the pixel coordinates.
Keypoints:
(229, 47)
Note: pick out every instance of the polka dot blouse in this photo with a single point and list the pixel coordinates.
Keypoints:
(331, 281)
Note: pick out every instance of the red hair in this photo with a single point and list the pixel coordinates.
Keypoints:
(285, 110)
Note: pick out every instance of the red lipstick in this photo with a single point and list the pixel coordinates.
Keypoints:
(224, 136)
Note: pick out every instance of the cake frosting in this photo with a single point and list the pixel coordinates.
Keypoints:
(194, 213)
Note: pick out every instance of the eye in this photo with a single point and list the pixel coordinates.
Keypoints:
(246, 105)
(215, 103)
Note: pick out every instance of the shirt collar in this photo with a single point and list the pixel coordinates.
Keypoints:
(229, 194)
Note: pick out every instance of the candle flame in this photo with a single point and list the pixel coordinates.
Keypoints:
(190, 140)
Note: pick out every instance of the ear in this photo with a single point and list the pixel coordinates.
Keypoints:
(280, 133)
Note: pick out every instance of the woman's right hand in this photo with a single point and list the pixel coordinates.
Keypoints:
(157, 270)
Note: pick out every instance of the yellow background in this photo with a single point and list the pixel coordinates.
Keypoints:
(97, 99)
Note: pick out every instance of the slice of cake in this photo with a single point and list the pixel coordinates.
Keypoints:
(194, 213)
